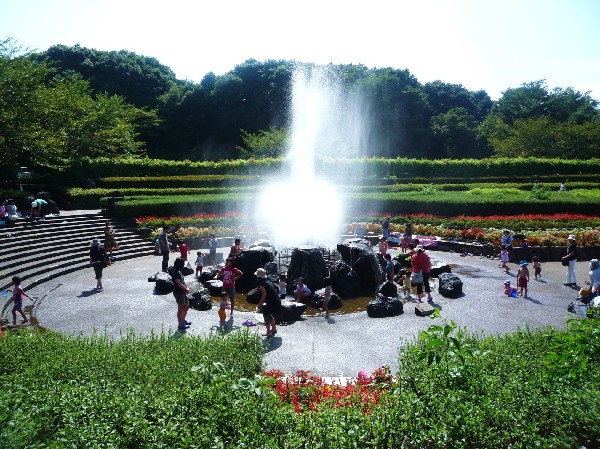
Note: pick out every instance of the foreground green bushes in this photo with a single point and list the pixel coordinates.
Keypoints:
(526, 389)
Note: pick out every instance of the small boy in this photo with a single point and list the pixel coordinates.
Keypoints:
(223, 307)
(199, 263)
(326, 296)
(389, 267)
(183, 250)
(523, 278)
(537, 267)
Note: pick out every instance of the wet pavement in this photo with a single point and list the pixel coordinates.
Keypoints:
(339, 346)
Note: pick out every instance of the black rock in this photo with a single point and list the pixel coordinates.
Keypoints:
(201, 300)
(383, 306)
(307, 263)
(208, 273)
(389, 289)
(186, 271)
(344, 280)
(439, 268)
(290, 312)
(248, 261)
(163, 282)
(450, 285)
(214, 287)
(359, 254)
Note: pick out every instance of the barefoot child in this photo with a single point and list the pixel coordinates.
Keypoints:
(223, 307)
(383, 246)
(406, 283)
(18, 294)
(282, 286)
(509, 290)
(523, 278)
(389, 268)
(537, 267)
(504, 258)
(326, 296)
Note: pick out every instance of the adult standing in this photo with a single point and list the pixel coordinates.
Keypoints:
(418, 263)
(269, 303)
(426, 271)
(595, 277)
(165, 247)
(110, 243)
(99, 261)
(180, 292)
(569, 261)
(229, 274)
(385, 227)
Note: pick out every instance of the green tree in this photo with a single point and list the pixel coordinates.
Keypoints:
(271, 143)
(46, 119)
(457, 131)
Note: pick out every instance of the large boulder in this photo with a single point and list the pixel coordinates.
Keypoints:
(439, 268)
(344, 280)
(208, 273)
(449, 285)
(307, 263)
(384, 306)
(389, 289)
(163, 282)
(214, 287)
(290, 312)
(248, 261)
(361, 257)
(201, 300)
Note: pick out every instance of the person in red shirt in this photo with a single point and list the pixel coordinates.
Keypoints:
(419, 263)
(229, 275)
(183, 250)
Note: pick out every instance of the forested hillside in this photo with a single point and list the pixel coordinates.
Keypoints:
(74, 101)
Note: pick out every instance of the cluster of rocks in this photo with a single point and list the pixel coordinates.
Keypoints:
(358, 273)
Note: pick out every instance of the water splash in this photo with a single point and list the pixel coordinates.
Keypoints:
(299, 208)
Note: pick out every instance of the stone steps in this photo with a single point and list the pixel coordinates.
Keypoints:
(41, 251)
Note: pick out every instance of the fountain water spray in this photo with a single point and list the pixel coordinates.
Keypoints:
(299, 208)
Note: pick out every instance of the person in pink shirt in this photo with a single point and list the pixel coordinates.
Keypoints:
(419, 263)
(229, 275)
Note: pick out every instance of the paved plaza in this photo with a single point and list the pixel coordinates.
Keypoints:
(339, 346)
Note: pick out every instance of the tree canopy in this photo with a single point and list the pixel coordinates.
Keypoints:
(75, 101)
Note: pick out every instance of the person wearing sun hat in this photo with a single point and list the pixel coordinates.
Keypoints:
(569, 261)
(523, 278)
(269, 303)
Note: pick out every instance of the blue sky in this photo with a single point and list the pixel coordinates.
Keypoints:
(481, 44)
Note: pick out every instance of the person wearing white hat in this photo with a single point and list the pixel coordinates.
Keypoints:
(569, 261)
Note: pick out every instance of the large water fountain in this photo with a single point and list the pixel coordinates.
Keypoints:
(300, 207)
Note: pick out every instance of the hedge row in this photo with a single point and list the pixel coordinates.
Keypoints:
(440, 203)
(366, 167)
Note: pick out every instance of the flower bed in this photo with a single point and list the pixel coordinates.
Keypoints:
(305, 391)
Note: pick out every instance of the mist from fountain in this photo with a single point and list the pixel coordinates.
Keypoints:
(299, 207)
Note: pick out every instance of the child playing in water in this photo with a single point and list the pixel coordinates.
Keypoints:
(326, 296)
(199, 263)
(405, 242)
(302, 293)
(282, 286)
(504, 258)
(223, 307)
(523, 278)
(509, 290)
(537, 267)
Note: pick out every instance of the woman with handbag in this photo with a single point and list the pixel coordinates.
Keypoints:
(99, 261)
(569, 261)
(418, 262)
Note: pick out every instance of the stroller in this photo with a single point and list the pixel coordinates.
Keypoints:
(584, 305)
